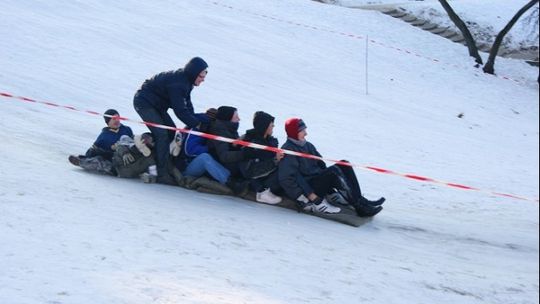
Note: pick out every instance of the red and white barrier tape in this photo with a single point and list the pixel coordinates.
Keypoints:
(355, 36)
(277, 150)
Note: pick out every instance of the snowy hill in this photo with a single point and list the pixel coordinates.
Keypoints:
(72, 237)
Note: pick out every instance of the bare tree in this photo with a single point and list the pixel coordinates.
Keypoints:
(469, 39)
(533, 20)
(489, 67)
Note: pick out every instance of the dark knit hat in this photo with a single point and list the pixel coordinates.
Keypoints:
(111, 112)
(211, 113)
(194, 67)
(294, 126)
(261, 121)
(225, 113)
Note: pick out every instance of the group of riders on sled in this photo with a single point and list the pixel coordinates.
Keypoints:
(169, 157)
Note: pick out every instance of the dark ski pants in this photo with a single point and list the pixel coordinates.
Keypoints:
(162, 137)
(269, 182)
(351, 180)
(337, 177)
(97, 164)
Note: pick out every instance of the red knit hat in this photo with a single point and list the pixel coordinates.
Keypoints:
(293, 126)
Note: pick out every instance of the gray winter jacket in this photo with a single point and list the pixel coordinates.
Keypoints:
(140, 163)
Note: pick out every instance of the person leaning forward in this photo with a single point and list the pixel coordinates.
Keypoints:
(164, 91)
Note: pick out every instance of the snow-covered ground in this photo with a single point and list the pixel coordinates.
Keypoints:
(357, 3)
(485, 18)
(72, 237)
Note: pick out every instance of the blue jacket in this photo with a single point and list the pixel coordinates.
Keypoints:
(103, 145)
(172, 90)
(194, 145)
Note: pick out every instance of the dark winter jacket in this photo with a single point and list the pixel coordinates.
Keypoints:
(295, 172)
(103, 146)
(227, 154)
(258, 163)
(256, 137)
(172, 90)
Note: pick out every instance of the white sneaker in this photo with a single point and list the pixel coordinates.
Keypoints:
(322, 207)
(337, 199)
(268, 197)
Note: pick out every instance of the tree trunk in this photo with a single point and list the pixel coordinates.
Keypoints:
(489, 67)
(469, 39)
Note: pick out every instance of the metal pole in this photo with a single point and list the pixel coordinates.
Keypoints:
(367, 65)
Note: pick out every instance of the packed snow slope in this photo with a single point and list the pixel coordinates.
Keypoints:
(72, 237)
(484, 18)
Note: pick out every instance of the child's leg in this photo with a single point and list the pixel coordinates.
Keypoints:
(205, 163)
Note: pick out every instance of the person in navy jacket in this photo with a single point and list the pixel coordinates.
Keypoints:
(164, 91)
(99, 157)
(309, 181)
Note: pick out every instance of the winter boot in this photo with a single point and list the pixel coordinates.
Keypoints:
(74, 160)
(178, 177)
(166, 180)
(365, 201)
(366, 210)
(209, 185)
(239, 188)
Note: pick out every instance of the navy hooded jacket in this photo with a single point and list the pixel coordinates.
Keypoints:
(103, 146)
(172, 90)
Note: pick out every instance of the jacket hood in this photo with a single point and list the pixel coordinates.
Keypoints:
(261, 122)
(252, 133)
(254, 136)
(225, 113)
(194, 67)
(296, 142)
